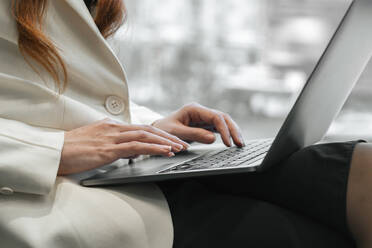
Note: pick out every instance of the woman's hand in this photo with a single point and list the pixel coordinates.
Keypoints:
(190, 123)
(105, 141)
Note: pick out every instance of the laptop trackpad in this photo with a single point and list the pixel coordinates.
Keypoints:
(154, 164)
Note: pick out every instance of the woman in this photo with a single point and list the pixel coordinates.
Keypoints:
(64, 109)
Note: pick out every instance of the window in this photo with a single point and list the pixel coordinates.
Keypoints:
(247, 58)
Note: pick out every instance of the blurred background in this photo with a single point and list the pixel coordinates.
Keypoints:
(247, 58)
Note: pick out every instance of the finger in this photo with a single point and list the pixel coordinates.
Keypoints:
(135, 148)
(222, 128)
(210, 116)
(196, 134)
(234, 131)
(146, 137)
(156, 131)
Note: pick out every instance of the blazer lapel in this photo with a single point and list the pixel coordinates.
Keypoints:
(113, 64)
(80, 8)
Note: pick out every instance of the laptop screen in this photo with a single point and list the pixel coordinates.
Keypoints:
(330, 84)
(247, 58)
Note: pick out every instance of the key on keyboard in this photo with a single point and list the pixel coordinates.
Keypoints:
(230, 157)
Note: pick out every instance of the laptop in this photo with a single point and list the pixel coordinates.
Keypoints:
(319, 102)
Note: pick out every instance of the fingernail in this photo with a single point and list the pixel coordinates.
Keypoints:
(178, 147)
(168, 148)
(229, 142)
(184, 144)
(171, 154)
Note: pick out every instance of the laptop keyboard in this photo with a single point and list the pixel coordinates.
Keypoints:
(228, 158)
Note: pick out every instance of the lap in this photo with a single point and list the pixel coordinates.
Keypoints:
(204, 218)
(311, 183)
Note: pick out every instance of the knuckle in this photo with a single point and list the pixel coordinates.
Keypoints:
(218, 117)
(101, 122)
(109, 125)
(221, 117)
(150, 128)
(105, 153)
(141, 134)
(110, 138)
(226, 115)
(145, 127)
(134, 144)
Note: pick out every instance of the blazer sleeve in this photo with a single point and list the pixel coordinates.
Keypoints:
(143, 115)
(29, 156)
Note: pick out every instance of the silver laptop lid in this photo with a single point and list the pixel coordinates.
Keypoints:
(329, 85)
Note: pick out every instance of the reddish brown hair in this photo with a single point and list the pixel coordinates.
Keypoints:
(33, 43)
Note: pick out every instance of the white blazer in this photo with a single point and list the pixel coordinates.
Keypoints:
(37, 209)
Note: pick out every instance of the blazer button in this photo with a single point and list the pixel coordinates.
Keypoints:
(114, 105)
(6, 191)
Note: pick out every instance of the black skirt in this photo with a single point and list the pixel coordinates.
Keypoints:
(299, 203)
